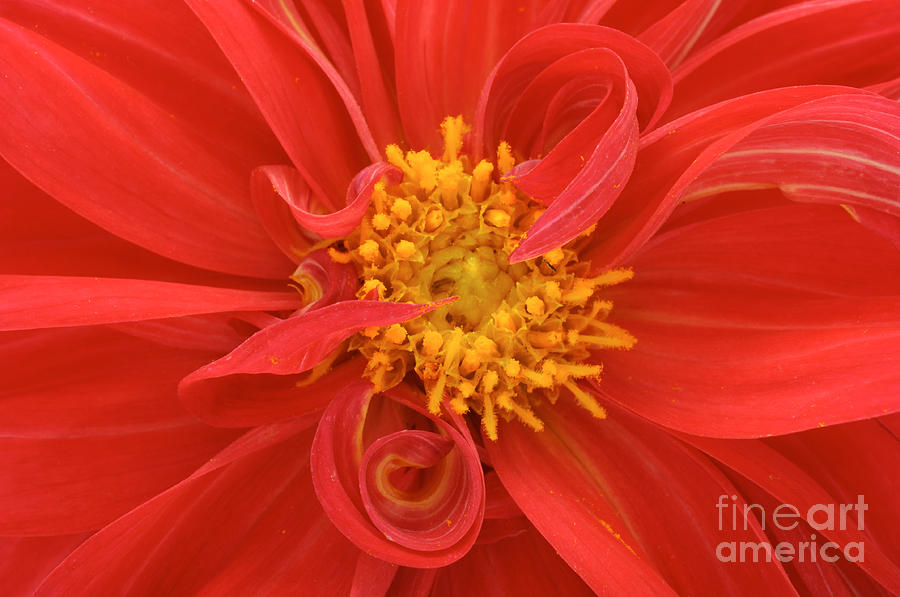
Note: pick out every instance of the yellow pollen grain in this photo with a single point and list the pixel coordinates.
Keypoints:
(370, 332)
(489, 381)
(466, 388)
(405, 249)
(538, 378)
(555, 257)
(512, 368)
(505, 159)
(432, 342)
(471, 361)
(434, 219)
(376, 285)
(497, 217)
(535, 306)
(381, 222)
(402, 209)
(552, 291)
(504, 320)
(369, 251)
(485, 347)
(459, 404)
(524, 414)
(395, 334)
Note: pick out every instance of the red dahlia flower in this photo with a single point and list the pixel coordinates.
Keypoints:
(408, 297)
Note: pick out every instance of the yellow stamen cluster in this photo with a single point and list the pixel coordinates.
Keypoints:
(518, 333)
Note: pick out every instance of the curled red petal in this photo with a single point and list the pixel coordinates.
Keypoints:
(274, 212)
(325, 281)
(531, 54)
(285, 348)
(587, 169)
(286, 184)
(410, 497)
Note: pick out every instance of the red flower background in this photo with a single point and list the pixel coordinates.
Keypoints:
(168, 167)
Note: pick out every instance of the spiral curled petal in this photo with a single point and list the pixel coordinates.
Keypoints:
(409, 496)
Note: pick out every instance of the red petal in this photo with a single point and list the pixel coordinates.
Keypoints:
(761, 322)
(809, 577)
(678, 32)
(372, 577)
(216, 333)
(320, 30)
(444, 52)
(285, 348)
(91, 427)
(275, 213)
(297, 97)
(790, 484)
(249, 400)
(325, 281)
(536, 50)
(831, 457)
(433, 522)
(522, 565)
(25, 561)
(289, 187)
(626, 489)
(586, 170)
(842, 42)
(248, 524)
(674, 156)
(116, 158)
(43, 237)
(378, 94)
(848, 154)
(167, 56)
(29, 302)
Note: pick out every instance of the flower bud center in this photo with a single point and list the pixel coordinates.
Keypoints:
(518, 332)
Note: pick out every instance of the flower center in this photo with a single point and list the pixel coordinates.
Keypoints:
(518, 333)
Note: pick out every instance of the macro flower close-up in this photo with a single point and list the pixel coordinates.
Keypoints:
(405, 297)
